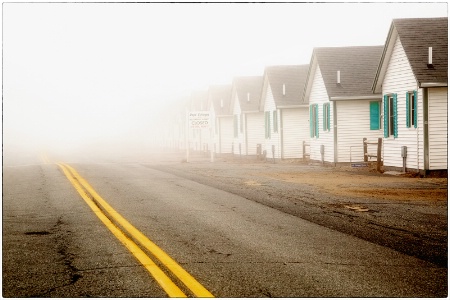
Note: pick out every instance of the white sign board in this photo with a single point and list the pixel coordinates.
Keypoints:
(199, 119)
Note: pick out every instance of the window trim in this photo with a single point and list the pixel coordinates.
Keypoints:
(326, 117)
(390, 115)
(314, 120)
(411, 109)
(275, 121)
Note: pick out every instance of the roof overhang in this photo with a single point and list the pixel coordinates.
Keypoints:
(433, 84)
(310, 76)
(385, 58)
(251, 111)
(294, 106)
(344, 98)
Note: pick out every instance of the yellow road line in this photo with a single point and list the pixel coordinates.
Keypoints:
(191, 283)
(163, 280)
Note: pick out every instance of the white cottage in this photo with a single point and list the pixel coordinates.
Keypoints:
(341, 102)
(412, 77)
(219, 103)
(248, 120)
(285, 112)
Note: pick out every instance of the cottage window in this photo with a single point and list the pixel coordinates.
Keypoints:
(375, 115)
(314, 120)
(326, 117)
(390, 116)
(411, 109)
(241, 123)
(235, 125)
(275, 121)
(267, 123)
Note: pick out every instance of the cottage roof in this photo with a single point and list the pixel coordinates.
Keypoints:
(292, 77)
(356, 66)
(248, 90)
(219, 96)
(416, 35)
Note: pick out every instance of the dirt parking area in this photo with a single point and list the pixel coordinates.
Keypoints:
(354, 184)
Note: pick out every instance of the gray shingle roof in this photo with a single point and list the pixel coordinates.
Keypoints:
(248, 89)
(416, 35)
(294, 79)
(218, 94)
(357, 66)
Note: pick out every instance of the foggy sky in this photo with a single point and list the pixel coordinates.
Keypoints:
(77, 74)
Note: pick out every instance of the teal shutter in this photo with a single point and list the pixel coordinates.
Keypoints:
(268, 124)
(415, 109)
(386, 116)
(374, 115)
(317, 120)
(395, 117)
(408, 121)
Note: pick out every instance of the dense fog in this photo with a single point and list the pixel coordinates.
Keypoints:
(103, 81)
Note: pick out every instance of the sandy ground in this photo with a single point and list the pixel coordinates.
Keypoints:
(363, 185)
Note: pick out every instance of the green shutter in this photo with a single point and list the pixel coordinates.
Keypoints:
(374, 115)
(386, 116)
(408, 122)
(415, 109)
(317, 120)
(395, 117)
(311, 122)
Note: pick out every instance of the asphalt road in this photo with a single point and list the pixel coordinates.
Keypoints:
(55, 246)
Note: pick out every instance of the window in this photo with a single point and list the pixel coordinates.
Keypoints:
(216, 127)
(411, 109)
(326, 117)
(267, 123)
(390, 115)
(314, 120)
(235, 126)
(375, 115)
(241, 123)
(275, 121)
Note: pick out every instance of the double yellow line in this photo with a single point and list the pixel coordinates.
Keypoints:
(125, 232)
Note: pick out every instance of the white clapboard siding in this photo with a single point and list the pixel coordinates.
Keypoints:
(255, 131)
(226, 134)
(353, 124)
(400, 79)
(295, 131)
(437, 128)
(319, 96)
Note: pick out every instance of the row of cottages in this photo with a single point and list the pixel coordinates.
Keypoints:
(412, 78)
(397, 92)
